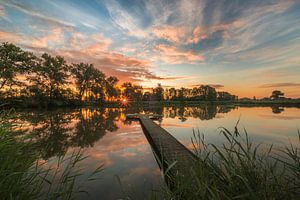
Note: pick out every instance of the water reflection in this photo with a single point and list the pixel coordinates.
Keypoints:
(205, 112)
(59, 129)
(107, 137)
(56, 131)
(277, 109)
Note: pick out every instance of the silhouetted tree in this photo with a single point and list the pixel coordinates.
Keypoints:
(276, 94)
(98, 85)
(13, 61)
(111, 90)
(49, 76)
(83, 74)
(132, 92)
(158, 93)
(208, 93)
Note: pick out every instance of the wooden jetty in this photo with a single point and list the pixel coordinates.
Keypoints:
(170, 152)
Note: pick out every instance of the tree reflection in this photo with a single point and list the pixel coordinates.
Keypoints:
(49, 131)
(53, 132)
(92, 125)
(205, 112)
(277, 109)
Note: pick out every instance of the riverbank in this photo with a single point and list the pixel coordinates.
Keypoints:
(46, 104)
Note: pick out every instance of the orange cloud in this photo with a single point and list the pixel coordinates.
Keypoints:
(171, 55)
(217, 86)
(91, 44)
(54, 36)
(118, 143)
(9, 37)
(87, 48)
(197, 35)
(171, 33)
(275, 85)
(201, 34)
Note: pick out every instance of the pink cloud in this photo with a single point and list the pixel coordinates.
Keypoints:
(198, 34)
(172, 55)
(9, 37)
(86, 48)
(92, 44)
(2, 11)
(54, 36)
(171, 33)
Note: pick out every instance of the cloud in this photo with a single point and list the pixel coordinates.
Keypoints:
(171, 55)
(87, 48)
(10, 37)
(211, 37)
(2, 11)
(207, 41)
(170, 33)
(126, 19)
(217, 86)
(100, 45)
(247, 31)
(126, 68)
(54, 36)
(197, 35)
(276, 85)
(34, 13)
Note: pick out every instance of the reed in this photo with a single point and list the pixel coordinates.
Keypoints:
(24, 176)
(239, 169)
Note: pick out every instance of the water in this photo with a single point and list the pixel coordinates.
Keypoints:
(130, 167)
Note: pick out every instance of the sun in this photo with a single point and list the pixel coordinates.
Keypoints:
(124, 101)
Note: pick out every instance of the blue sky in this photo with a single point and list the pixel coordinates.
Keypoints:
(247, 47)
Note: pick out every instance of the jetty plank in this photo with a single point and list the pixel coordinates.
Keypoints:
(166, 147)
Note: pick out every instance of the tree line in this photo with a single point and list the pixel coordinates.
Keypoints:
(47, 80)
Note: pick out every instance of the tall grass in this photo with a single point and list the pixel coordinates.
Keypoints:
(239, 169)
(24, 176)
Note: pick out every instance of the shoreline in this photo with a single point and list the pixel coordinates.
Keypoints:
(17, 104)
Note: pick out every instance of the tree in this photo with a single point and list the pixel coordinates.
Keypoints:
(111, 89)
(84, 75)
(50, 75)
(225, 96)
(209, 93)
(172, 93)
(180, 95)
(276, 94)
(13, 61)
(98, 84)
(132, 92)
(158, 93)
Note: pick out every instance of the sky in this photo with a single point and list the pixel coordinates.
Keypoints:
(246, 47)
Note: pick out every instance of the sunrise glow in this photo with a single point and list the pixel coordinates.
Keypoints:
(248, 48)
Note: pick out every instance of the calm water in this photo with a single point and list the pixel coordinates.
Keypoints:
(130, 167)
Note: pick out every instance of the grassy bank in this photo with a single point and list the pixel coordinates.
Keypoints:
(239, 169)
